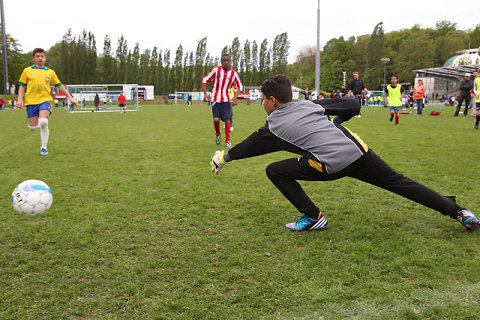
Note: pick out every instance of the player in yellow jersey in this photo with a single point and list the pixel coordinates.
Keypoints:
(476, 94)
(36, 81)
(394, 93)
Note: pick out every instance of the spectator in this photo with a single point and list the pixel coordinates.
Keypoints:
(96, 101)
(418, 95)
(306, 94)
(465, 94)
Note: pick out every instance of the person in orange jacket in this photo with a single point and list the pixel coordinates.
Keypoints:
(419, 95)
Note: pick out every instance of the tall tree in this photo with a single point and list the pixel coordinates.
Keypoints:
(199, 71)
(178, 69)
(109, 67)
(66, 57)
(474, 37)
(189, 78)
(152, 72)
(160, 84)
(168, 77)
(280, 48)
(263, 61)
(121, 55)
(374, 72)
(92, 59)
(254, 64)
(247, 59)
(337, 57)
(144, 68)
(439, 34)
(416, 52)
(17, 61)
(135, 61)
(235, 53)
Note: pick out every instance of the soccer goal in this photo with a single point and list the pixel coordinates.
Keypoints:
(84, 95)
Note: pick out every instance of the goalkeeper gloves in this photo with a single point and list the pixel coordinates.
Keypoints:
(217, 161)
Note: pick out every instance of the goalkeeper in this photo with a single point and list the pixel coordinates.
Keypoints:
(328, 151)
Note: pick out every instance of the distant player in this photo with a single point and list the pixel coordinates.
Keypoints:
(357, 88)
(96, 101)
(394, 93)
(476, 94)
(327, 151)
(121, 103)
(223, 78)
(36, 80)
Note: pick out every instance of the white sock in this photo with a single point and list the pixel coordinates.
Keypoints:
(33, 128)
(44, 132)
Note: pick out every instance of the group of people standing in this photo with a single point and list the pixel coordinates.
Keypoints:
(469, 87)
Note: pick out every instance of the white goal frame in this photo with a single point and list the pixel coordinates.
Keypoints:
(110, 92)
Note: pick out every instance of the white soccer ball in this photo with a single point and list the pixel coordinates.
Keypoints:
(32, 198)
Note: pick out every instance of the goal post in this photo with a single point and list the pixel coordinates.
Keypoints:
(84, 95)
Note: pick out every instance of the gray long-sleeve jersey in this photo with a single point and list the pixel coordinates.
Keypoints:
(304, 129)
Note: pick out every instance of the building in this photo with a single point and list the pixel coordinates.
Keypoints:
(445, 80)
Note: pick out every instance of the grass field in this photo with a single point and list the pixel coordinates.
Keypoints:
(141, 229)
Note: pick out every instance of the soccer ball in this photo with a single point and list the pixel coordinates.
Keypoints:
(32, 198)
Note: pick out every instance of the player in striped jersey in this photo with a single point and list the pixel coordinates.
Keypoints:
(224, 78)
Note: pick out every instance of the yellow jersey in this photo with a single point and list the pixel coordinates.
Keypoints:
(38, 81)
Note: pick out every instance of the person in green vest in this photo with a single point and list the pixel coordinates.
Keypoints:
(476, 94)
(393, 98)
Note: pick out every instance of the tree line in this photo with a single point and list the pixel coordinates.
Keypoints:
(407, 49)
(77, 60)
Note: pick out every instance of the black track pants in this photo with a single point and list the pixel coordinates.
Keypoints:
(369, 168)
(462, 98)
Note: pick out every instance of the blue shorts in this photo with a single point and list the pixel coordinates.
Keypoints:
(477, 106)
(33, 110)
(222, 110)
(394, 108)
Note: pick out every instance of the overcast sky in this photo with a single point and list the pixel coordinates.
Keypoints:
(166, 24)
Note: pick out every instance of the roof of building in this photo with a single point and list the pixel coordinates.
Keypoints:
(454, 68)
(447, 72)
(463, 57)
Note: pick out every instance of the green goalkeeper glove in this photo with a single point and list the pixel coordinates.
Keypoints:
(217, 161)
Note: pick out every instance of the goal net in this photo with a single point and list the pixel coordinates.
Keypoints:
(84, 95)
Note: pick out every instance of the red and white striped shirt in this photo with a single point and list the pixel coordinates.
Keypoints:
(222, 83)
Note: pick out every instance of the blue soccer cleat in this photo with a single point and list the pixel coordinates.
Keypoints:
(468, 219)
(228, 144)
(43, 152)
(305, 223)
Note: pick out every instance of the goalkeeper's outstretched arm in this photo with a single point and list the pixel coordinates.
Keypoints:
(260, 142)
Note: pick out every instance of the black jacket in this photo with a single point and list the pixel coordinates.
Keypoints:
(357, 89)
(466, 87)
